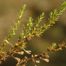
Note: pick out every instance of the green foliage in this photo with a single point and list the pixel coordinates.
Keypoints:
(36, 29)
(27, 29)
(54, 16)
(32, 29)
(14, 28)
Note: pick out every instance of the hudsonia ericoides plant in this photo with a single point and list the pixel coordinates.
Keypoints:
(30, 30)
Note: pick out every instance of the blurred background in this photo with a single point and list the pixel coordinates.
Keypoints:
(8, 14)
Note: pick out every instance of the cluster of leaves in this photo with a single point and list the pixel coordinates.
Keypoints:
(31, 29)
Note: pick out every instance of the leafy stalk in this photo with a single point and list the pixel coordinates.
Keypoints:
(14, 28)
(54, 16)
